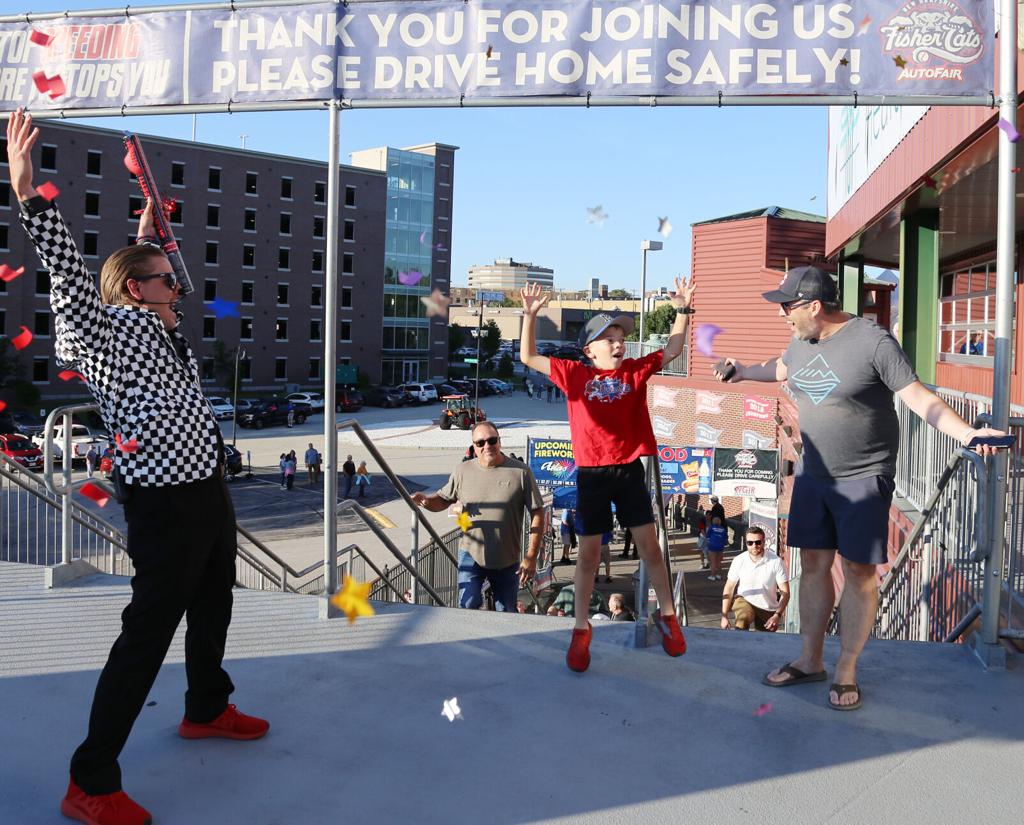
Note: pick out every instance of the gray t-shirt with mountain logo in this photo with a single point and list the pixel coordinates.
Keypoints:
(844, 389)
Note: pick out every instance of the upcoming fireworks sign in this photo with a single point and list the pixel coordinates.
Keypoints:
(450, 49)
(552, 462)
(751, 473)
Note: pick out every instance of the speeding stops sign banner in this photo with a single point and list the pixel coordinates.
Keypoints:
(450, 49)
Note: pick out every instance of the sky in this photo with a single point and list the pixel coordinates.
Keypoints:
(525, 177)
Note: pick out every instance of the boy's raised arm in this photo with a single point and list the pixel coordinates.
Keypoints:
(682, 299)
(532, 302)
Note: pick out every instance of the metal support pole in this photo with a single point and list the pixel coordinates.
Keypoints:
(330, 358)
(926, 589)
(234, 418)
(65, 511)
(988, 647)
(643, 304)
(414, 550)
(479, 333)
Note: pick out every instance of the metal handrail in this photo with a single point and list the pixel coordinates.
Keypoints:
(67, 458)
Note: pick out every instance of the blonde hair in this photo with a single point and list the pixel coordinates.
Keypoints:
(121, 266)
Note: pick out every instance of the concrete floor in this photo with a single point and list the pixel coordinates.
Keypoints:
(357, 732)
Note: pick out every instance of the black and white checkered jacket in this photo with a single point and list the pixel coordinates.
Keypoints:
(144, 390)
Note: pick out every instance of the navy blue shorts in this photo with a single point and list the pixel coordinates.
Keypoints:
(848, 515)
(598, 487)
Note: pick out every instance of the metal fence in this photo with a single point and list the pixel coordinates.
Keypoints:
(634, 349)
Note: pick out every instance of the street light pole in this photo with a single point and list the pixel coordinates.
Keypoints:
(479, 332)
(239, 353)
(645, 246)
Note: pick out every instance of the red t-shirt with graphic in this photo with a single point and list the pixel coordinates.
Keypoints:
(608, 416)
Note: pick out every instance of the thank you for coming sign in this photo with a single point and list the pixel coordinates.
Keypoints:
(552, 462)
(751, 473)
(422, 49)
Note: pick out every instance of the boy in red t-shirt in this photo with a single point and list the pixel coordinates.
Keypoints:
(611, 429)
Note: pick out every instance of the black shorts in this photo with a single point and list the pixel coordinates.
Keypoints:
(848, 515)
(598, 487)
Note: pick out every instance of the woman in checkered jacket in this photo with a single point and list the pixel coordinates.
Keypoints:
(124, 340)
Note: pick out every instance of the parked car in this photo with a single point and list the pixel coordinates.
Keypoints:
(18, 448)
(246, 404)
(446, 389)
(570, 353)
(421, 393)
(222, 408)
(28, 423)
(461, 387)
(314, 399)
(465, 351)
(348, 399)
(232, 461)
(388, 397)
(546, 348)
(270, 412)
(500, 387)
(81, 439)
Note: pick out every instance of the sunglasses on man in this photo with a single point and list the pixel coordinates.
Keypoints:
(170, 279)
(755, 542)
(789, 306)
(488, 441)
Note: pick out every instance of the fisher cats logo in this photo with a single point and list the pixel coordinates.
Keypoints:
(936, 35)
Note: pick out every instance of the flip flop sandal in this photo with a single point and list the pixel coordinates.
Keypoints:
(842, 690)
(796, 677)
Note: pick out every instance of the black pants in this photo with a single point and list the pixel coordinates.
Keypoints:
(182, 542)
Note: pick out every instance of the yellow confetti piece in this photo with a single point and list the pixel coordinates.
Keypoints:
(464, 521)
(352, 599)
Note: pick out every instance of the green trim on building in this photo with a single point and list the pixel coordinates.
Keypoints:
(851, 284)
(919, 290)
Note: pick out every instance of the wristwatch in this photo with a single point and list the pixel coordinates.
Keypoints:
(685, 311)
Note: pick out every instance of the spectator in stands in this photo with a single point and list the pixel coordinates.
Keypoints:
(677, 513)
(717, 538)
(312, 463)
(348, 473)
(617, 608)
(91, 458)
(565, 602)
(718, 511)
(495, 492)
(565, 531)
(756, 577)
(362, 478)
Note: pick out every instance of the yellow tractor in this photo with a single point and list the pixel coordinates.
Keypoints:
(459, 412)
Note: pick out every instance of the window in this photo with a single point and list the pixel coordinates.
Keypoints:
(213, 181)
(350, 231)
(348, 264)
(319, 227)
(346, 330)
(286, 223)
(48, 158)
(90, 246)
(42, 282)
(314, 368)
(94, 163)
(248, 256)
(5, 233)
(281, 329)
(177, 173)
(318, 260)
(247, 292)
(212, 250)
(315, 329)
(245, 329)
(40, 369)
(350, 196)
(967, 306)
(3, 156)
(316, 296)
(178, 213)
(346, 297)
(319, 192)
(280, 369)
(5, 195)
(210, 289)
(212, 216)
(284, 258)
(251, 180)
(92, 204)
(208, 368)
(249, 223)
(282, 295)
(245, 369)
(286, 188)
(41, 327)
(135, 206)
(209, 327)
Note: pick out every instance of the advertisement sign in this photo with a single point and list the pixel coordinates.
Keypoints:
(685, 469)
(450, 49)
(708, 402)
(762, 409)
(751, 473)
(551, 461)
(705, 434)
(765, 514)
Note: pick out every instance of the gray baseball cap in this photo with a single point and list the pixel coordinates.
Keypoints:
(805, 283)
(599, 323)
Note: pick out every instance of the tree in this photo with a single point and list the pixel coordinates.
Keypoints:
(491, 339)
(505, 366)
(456, 337)
(511, 301)
(223, 364)
(618, 295)
(658, 322)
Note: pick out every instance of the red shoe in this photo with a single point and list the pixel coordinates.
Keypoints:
(671, 634)
(578, 657)
(102, 809)
(231, 724)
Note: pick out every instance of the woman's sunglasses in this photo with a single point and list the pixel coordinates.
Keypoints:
(170, 278)
(489, 441)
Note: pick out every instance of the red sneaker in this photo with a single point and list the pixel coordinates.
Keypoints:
(231, 724)
(671, 634)
(578, 657)
(102, 809)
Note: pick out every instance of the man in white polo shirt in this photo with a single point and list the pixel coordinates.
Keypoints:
(752, 587)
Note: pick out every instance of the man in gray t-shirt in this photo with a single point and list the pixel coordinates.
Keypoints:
(495, 492)
(843, 372)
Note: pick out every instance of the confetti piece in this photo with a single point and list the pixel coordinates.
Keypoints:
(814, 197)
(764, 709)
(423, 237)
(410, 278)
(40, 38)
(451, 710)
(440, 247)
(705, 336)
(67, 375)
(3, 405)
(490, 50)
(436, 303)
(464, 521)
(865, 24)
(52, 86)
(844, 61)
(352, 599)
(126, 446)
(95, 492)
(595, 214)
(899, 61)
(1015, 169)
(48, 191)
(1010, 129)
(7, 274)
(22, 339)
(224, 309)
(664, 227)
(131, 165)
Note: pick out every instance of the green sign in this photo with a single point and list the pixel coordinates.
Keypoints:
(469, 360)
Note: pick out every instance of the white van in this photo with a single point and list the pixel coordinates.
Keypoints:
(421, 393)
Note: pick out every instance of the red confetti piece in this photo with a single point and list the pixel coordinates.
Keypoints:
(48, 191)
(3, 406)
(52, 86)
(22, 339)
(126, 446)
(67, 375)
(131, 165)
(7, 274)
(1015, 169)
(764, 709)
(865, 24)
(40, 38)
(95, 493)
